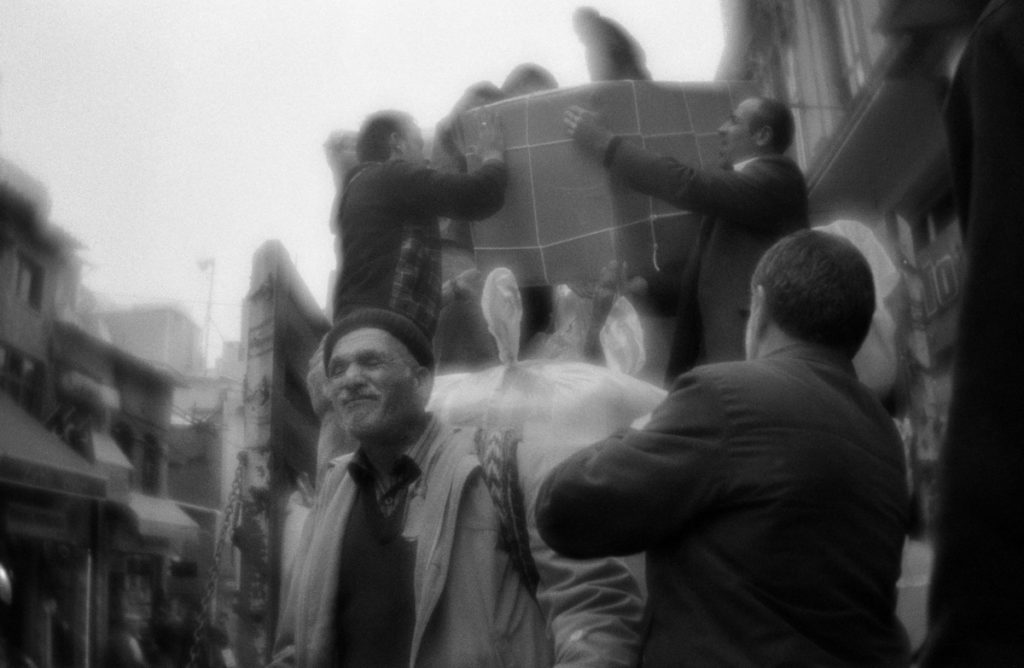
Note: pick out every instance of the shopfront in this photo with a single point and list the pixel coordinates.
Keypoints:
(49, 499)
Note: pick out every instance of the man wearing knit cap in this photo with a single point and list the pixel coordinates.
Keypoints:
(401, 562)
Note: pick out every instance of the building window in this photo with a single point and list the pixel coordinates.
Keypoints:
(23, 378)
(29, 282)
(813, 69)
(861, 42)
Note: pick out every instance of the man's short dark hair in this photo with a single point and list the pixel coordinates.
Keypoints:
(528, 78)
(818, 288)
(374, 143)
(776, 116)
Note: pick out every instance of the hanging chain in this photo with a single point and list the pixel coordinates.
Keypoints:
(231, 511)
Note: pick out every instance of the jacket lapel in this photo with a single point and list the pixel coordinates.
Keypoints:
(451, 466)
(319, 574)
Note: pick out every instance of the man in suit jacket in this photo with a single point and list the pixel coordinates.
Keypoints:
(976, 602)
(769, 494)
(759, 198)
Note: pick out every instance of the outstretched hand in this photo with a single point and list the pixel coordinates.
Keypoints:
(585, 129)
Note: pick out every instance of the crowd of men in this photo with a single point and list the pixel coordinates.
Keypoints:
(767, 493)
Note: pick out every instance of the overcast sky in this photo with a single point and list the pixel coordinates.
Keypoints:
(168, 131)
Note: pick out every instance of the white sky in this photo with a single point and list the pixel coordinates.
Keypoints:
(171, 130)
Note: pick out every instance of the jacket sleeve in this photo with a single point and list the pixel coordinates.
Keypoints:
(594, 607)
(768, 193)
(284, 655)
(637, 488)
(464, 196)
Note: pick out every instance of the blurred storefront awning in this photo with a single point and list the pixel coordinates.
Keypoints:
(162, 522)
(115, 464)
(32, 456)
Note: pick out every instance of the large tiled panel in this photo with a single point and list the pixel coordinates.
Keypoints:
(564, 218)
(514, 225)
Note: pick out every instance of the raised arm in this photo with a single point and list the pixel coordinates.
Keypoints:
(638, 487)
(464, 196)
(765, 192)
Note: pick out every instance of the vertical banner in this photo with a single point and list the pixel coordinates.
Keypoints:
(283, 326)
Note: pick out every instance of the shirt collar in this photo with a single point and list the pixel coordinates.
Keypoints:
(415, 454)
(739, 166)
(815, 353)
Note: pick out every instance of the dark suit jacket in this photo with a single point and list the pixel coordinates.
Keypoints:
(770, 497)
(977, 594)
(745, 213)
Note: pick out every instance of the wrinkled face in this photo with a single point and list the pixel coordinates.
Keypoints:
(377, 389)
(737, 141)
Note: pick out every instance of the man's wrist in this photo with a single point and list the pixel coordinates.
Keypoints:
(610, 149)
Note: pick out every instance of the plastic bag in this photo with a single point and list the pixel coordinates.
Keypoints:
(550, 401)
(877, 361)
(621, 335)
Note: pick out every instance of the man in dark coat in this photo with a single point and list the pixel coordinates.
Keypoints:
(977, 593)
(759, 198)
(388, 217)
(769, 495)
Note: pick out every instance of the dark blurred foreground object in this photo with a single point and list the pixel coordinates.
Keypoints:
(612, 53)
(976, 608)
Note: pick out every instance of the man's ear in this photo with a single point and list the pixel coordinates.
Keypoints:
(424, 383)
(395, 142)
(763, 136)
(756, 323)
(757, 309)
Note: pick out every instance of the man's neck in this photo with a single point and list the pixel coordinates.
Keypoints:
(773, 339)
(382, 452)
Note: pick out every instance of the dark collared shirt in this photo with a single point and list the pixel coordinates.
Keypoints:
(391, 488)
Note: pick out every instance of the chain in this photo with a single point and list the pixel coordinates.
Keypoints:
(231, 510)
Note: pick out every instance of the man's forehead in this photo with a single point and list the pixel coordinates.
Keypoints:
(367, 339)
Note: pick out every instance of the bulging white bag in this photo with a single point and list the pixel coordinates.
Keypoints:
(552, 402)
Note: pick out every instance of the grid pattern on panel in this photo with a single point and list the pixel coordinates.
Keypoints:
(563, 218)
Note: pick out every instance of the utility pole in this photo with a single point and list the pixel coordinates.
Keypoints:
(208, 264)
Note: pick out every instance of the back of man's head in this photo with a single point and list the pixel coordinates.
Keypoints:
(779, 118)
(374, 143)
(528, 78)
(818, 288)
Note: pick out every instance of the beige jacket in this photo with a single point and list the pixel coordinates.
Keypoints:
(472, 609)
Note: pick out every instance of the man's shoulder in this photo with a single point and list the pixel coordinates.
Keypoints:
(777, 164)
(743, 381)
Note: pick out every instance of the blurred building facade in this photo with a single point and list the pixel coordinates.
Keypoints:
(87, 533)
(204, 439)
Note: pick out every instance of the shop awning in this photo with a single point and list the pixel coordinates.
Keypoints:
(162, 518)
(32, 456)
(894, 136)
(113, 462)
(107, 451)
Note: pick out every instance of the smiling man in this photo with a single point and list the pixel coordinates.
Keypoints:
(402, 561)
(755, 198)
